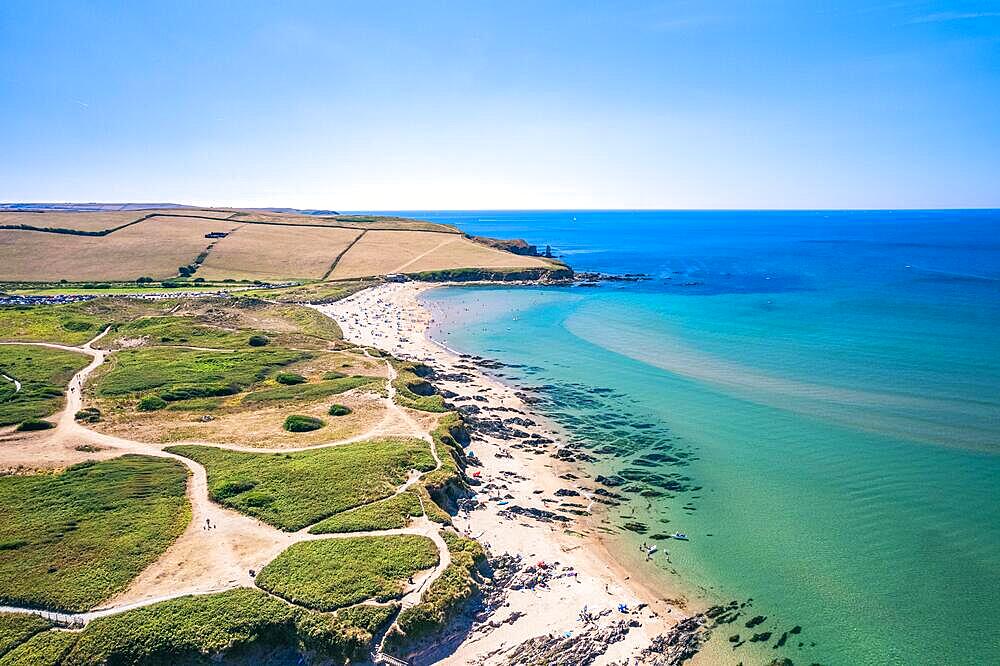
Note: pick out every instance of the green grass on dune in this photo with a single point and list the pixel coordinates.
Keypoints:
(69, 324)
(332, 573)
(431, 508)
(181, 630)
(43, 373)
(310, 322)
(293, 490)
(47, 648)
(370, 617)
(450, 451)
(140, 370)
(176, 330)
(408, 384)
(446, 595)
(16, 628)
(392, 513)
(241, 626)
(70, 540)
(312, 391)
(313, 292)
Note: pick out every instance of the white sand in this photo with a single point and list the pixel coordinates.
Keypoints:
(391, 318)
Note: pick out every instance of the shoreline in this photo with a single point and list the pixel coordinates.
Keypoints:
(585, 573)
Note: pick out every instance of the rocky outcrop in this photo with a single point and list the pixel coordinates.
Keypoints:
(555, 273)
(512, 245)
(575, 650)
(677, 645)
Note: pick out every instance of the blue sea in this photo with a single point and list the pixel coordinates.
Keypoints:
(813, 397)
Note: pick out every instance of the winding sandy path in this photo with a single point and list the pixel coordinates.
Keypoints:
(221, 546)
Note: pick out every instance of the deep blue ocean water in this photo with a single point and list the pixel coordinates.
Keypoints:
(813, 396)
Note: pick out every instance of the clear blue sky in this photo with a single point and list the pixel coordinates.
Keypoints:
(395, 105)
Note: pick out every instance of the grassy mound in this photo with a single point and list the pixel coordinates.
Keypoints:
(414, 391)
(369, 617)
(241, 626)
(43, 374)
(448, 593)
(88, 415)
(391, 513)
(293, 490)
(47, 648)
(16, 629)
(139, 370)
(32, 425)
(300, 423)
(446, 483)
(68, 324)
(151, 403)
(177, 330)
(339, 410)
(185, 628)
(333, 573)
(308, 391)
(289, 378)
(68, 541)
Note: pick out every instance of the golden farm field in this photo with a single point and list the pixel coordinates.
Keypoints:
(245, 245)
(386, 252)
(154, 248)
(96, 220)
(263, 251)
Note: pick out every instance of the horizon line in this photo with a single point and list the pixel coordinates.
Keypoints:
(512, 209)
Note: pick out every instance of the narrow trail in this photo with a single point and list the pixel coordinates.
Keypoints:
(402, 267)
(220, 546)
(386, 427)
(17, 384)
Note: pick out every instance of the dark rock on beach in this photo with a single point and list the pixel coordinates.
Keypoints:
(677, 645)
(612, 481)
(572, 650)
(531, 512)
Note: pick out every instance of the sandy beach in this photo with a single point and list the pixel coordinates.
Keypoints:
(585, 577)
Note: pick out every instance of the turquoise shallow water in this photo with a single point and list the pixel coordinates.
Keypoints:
(817, 407)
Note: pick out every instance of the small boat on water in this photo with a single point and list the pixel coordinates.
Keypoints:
(680, 536)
